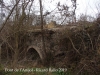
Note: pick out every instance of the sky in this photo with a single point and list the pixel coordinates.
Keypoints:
(88, 7)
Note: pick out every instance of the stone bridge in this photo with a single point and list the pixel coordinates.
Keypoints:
(55, 44)
(56, 41)
(35, 42)
(52, 42)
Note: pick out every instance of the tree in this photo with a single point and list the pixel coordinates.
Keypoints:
(74, 10)
(13, 31)
(42, 32)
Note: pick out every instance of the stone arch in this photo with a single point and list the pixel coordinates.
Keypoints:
(34, 49)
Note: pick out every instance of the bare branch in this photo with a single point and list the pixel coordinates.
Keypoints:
(3, 25)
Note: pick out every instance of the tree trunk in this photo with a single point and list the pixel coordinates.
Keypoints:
(16, 51)
(0, 53)
(42, 32)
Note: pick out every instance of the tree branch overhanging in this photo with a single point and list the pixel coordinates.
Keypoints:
(3, 25)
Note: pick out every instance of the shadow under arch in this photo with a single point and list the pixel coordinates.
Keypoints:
(34, 52)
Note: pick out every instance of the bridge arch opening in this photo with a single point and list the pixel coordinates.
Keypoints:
(32, 54)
